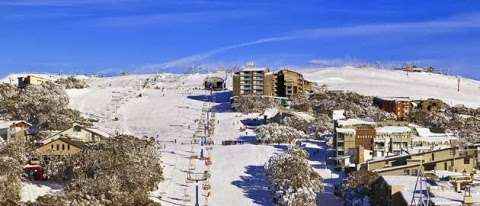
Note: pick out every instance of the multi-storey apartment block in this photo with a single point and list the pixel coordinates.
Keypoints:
(252, 80)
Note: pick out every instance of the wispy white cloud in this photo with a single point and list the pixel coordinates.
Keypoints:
(456, 23)
(186, 61)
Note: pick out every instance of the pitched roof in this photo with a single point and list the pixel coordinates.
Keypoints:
(78, 144)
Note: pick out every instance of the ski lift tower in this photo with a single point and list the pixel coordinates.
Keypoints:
(420, 198)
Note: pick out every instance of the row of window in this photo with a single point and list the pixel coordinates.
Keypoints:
(58, 146)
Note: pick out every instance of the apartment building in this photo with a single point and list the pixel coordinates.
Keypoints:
(400, 106)
(358, 140)
(454, 159)
(252, 80)
(391, 140)
(290, 83)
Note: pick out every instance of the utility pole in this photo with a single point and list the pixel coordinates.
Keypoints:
(458, 85)
(196, 194)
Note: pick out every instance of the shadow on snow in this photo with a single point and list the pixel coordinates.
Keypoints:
(221, 98)
(254, 185)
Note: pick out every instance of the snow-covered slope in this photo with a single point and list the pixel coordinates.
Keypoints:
(12, 78)
(376, 82)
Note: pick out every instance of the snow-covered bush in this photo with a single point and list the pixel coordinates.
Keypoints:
(119, 171)
(292, 180)
(298, 120)
(11, 161)
(275, 133)
(322, 124)
(45, 106)
(357, 188)
(253, 103)
(72, 83)
(301, 103)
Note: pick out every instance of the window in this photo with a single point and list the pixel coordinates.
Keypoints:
(445, 165)
(51, 146)
(68, 147)
(466, 161)
(58, 147)
(407, 172)
(63, 146)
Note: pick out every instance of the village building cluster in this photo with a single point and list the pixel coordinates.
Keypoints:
(59, 144)
(396, 150)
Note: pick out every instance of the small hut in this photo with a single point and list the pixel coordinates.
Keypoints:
(214, 83)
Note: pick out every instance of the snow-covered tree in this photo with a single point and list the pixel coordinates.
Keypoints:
(12, 157)
(356, 188)
(275, 133)
(292, 180)
(72, 83)
(119, 171)
(45, 106)
(253, 103)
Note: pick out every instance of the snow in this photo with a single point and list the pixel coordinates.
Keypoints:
(406, 99)
(425, 132)
(377, 82)
(354, 121)
(318, 151)
(392, 129)
(345, 130)
(170, 113)
(408, 183)
(270, 112)
(305, 116)
(338, 114)
(13, 78)
(31, 190)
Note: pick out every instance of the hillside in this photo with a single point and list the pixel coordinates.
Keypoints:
(376, 82)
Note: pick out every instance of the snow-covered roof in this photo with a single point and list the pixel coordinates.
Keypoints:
(392, 129)
(6, 124)
(270, 112)
(345, 130)
(354, 121)
(408, 183)
(304, 115)
(253, 67)
(338, 114)
(434, 139)
(445, 173)
(451, 198)
(99, 131)
(425, 132)
(395, 98)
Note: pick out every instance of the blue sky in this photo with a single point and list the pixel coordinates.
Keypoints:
(91, 36)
